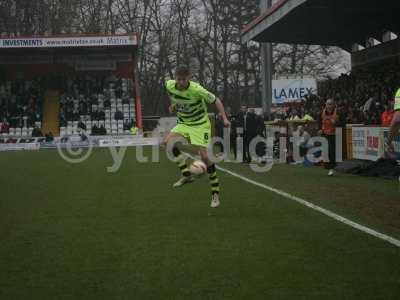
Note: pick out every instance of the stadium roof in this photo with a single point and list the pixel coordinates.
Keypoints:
(324, 22)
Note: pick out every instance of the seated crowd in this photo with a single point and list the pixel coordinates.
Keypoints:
(98, 105)
(366, 96)
(20, 105)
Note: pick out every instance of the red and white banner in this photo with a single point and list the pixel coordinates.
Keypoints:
(367, 143)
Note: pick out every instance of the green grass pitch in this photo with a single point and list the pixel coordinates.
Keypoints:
(77, 232)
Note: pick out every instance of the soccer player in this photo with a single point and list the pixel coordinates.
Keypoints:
(190, 100)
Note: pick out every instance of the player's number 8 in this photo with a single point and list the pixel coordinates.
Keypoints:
(206, 136)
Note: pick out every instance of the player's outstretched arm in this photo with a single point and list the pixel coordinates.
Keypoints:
(221, 110)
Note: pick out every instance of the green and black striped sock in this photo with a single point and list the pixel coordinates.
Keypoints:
(181, 161)
(183, 166)
(214, 181)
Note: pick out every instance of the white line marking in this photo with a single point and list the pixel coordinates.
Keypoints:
(317, 208)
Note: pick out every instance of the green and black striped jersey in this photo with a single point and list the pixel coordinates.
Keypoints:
(190, 104)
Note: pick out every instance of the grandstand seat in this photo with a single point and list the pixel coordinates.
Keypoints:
(18, 132)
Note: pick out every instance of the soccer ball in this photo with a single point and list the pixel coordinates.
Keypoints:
(198, 168)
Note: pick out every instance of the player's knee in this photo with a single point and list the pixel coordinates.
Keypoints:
(204, 158)
(165, 141)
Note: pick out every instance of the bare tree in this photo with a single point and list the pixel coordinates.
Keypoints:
(203, 33)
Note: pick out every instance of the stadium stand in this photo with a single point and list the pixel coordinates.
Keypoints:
(361, 96)
(101, 104)
(49, 85)
(20, 107)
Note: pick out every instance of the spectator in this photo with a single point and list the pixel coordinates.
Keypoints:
(101, 115)
(36, 132)
(251, 132)
(4, 127)
(241, 124)
(94, 115)
(233, 134)
(49, 137)
(102, 130)
(276, 147)
(107, 103)
(302, 140)
(219, 131)
(82, 125)
(95, 130)
(387, 115)
(118, 115)
(128, 124)
(329, 119)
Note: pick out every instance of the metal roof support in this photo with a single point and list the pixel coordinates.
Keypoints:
(266, 69)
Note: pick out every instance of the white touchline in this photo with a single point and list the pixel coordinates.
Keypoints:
(317, 208)
(324, 211)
